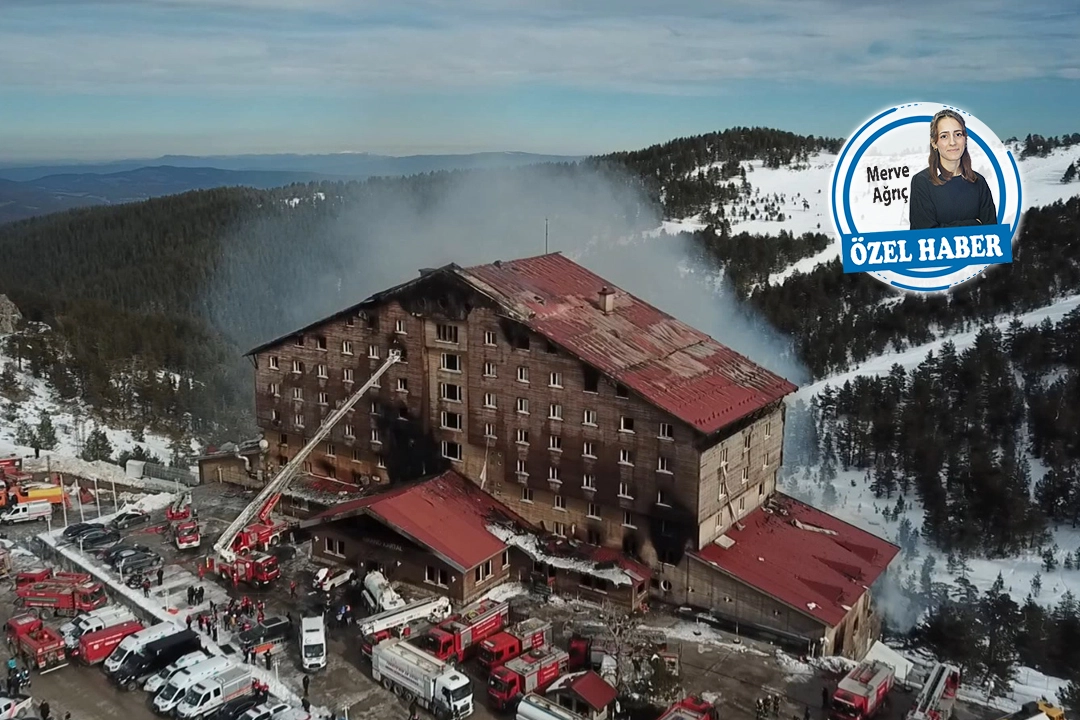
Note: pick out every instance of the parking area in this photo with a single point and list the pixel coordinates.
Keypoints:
(735, 672)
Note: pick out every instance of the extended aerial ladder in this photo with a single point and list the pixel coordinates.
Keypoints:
(227, 548)
(938, 694)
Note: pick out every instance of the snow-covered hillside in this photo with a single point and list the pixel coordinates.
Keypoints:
(72, 421)
(855, 503)
(801, 194)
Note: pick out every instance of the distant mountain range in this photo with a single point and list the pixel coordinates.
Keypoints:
(40, 190)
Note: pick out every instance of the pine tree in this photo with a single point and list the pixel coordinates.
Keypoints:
(45, 434)
(1001, 616)
(97, 447)
(1036, 584)
(9, 382)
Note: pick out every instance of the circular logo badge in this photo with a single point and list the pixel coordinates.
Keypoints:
(925, 197)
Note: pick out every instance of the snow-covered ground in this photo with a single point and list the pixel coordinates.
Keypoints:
(73, 424)
(791, 190)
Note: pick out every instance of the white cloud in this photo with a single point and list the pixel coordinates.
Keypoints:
(678, 46)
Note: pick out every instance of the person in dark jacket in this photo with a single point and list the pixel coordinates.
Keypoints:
(949, 193)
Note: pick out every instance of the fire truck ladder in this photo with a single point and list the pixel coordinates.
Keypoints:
(864, 674)
(276, 486)
(932, 692)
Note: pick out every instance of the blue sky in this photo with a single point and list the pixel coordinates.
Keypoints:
(106, 79)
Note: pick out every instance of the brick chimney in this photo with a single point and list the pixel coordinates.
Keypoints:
(607, 299)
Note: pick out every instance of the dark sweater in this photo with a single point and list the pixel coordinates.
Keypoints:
(957, 203)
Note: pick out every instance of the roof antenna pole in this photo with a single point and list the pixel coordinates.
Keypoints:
(545, 236)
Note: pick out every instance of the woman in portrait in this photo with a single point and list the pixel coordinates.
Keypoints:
(950, 193)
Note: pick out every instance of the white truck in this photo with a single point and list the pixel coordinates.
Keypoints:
(415, 675)
(156, 682)
(174, 691)
(92, 622)
(132, 644)
(433, 609)
(313, 642)
(379, 594)
(211, 694)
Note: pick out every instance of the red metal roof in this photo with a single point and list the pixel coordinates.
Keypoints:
(673, 366)
(446, 514)
(588, 686)
(818, 568)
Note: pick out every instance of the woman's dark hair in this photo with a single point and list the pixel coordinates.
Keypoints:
(935, 158)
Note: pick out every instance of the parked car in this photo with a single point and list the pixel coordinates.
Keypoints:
(125, 552)
(16, 707)
(97, 539)
(74, 531)
(139, 561)
(129, 519)
(109, 555)
(233, 709)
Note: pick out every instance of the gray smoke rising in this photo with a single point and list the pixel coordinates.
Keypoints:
(298, 263)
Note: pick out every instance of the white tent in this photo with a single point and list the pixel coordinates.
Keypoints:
(881, 651)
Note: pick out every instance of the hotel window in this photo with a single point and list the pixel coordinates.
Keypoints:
(489, 400)
(297, 393)
(765, 464)
(522, 436)
(589, 450)
(589, 481)
(489, 369)
(555, 380)
(375, 437)
(626, 424)
(380, 461)
(522, 468)
(523, 406)
(357, 456)
(375, 408)
(667, 431)
(347, 375)
(451, 362)
(521, 342)
(275, 389)
(321, 372)
(275, 416)
(555, 443)
(662, 499)
(324, 398)
(299, 341)
(489, 430)
(483, 572)
(768, 430)
(320, 343)
(349, 431)
(628, 519)
(624, 491)
(451, 450)
(742, 504)
(593, 511)
(447, 334)
(591, 380)
(402, 385)
(298, 420)
(554, 412)
(489, 338)
(273, 363)
(451, 421)
(746, 440)
(621, 392)
(553, 474)
(506, 558)
(761, 489)
(335, 547)
(558, 529)
(745, 474)
(399, 327)
(560, 502)
(373, 352)
(526, 494)
(723, 458)
(297, 366)
(437, 576)
(350, 321)
(589, 418)
(331, 450)
(523, 374)
(346, 347)
(663, 465)
(449, 392)
(626, 457)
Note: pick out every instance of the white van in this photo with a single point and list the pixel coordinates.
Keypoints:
(173, 692)
(135, 643)
(160, 680)
(93, 621)
(313, 642)
(27, 511)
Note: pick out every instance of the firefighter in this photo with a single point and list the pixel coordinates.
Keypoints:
(825, 698)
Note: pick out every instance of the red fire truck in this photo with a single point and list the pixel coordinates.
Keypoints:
(459, 635)
(61, 597)
(531, 634)
(691, 708)
(531, 672)
(96, 646)
(40, 575)
(40, 647)
(863, 691)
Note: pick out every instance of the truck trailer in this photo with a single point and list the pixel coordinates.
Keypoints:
(863, 691)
